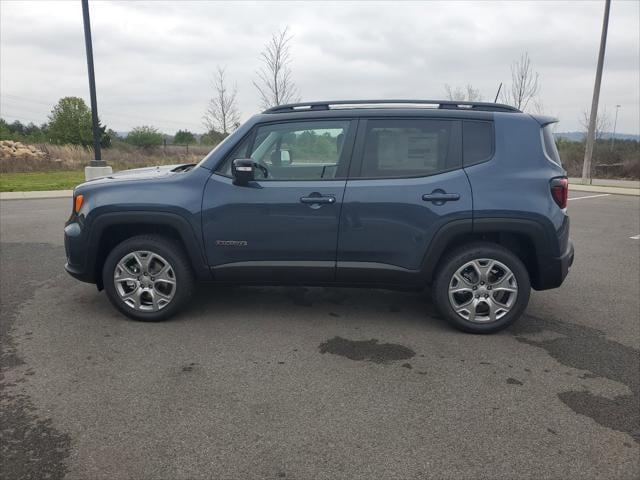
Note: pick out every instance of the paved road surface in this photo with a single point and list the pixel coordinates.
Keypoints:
(239, 386)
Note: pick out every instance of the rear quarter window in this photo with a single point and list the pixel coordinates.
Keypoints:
(477, 142)
(549, 144)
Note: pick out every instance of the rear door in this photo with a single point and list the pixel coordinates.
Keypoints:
(283, 227)
(405, 183)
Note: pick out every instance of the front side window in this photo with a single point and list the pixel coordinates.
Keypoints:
(410, 148)
(310, 150)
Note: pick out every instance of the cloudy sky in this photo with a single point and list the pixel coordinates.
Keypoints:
(154, 61)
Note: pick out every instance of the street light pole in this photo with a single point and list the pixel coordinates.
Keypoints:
(615, 122)
(586, 166)
(97, 166)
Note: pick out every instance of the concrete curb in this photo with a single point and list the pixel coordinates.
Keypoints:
(608, 182)
(576, 187)
(36, 195)
(573, 187)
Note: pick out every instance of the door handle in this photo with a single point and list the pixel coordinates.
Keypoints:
(319, 199)
(439, 197)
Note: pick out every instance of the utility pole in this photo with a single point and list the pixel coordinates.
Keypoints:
(97, 166)
(586, 166)
(615, 122)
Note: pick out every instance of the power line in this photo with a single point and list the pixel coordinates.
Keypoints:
(19, 118)
(108, 111)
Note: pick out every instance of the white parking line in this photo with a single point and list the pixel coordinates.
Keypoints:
(635, 237)
(591, 196)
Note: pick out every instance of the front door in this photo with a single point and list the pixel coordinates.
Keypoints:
(406, 182)
(282, 227)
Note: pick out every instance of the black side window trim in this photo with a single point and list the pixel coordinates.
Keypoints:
(346, 155)
(493, 143)
(355, 171)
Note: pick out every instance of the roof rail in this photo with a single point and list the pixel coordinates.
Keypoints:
(443, 104)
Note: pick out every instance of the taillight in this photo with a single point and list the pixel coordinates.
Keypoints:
(560, 191)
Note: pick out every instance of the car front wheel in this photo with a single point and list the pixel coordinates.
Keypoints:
(148, 278)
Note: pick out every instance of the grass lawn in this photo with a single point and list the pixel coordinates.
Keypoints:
(27, 182)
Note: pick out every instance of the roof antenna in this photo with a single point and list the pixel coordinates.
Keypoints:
(498, 93)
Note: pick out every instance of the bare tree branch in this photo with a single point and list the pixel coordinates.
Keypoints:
(274, 80)
(603, 122)
(467, 94)
(222, 113)
(525, 84)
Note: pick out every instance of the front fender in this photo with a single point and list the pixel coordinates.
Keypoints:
(148, 220)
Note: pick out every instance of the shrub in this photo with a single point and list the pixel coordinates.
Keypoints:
(145, 137)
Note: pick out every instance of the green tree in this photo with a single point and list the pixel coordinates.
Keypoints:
(70, 122)
(5, 132)
(20, 132)
(212, 137)
(145, 137)
(184, 137)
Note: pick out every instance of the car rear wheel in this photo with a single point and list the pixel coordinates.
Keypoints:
(481, 288)
(148, 278)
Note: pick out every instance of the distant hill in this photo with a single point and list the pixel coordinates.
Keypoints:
(579, 136)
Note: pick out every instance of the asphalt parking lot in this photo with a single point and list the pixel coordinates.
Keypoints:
(272, 382)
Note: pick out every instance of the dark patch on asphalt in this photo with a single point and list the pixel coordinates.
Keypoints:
(334, 314)
(551, 430)
(30, 446)
(369, 350)
(620, 413)
(586, 348)
(299, 296)
(514, 381)
(407, 365)
(189, 368)
(337, 296)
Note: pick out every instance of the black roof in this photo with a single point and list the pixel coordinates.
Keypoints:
(350, 104)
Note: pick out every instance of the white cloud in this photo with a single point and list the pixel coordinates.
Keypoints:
(154, 60)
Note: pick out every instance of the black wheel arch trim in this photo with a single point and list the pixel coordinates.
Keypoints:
(440, 242)
(537, 233)
(181, 225)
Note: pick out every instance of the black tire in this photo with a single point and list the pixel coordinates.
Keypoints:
(457, 259)
(169, 250)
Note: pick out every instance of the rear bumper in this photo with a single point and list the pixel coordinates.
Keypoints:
(553, 270)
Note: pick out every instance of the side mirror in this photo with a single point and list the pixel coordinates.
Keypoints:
(242, 170)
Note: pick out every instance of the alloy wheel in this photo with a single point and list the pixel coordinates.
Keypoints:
(144, 281)
(483, 290)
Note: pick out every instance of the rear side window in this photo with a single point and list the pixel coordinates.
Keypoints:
(477, 140)
(549, 143)
(410, 148)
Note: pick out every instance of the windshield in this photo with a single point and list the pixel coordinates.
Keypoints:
(208, 155)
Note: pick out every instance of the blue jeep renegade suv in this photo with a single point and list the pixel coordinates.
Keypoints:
(466, 198)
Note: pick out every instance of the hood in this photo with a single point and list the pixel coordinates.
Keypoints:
(146, 173)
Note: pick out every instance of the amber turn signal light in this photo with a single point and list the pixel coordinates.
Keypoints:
(77, 203)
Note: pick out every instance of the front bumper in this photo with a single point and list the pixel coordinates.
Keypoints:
(75, 248)
(553, 270)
